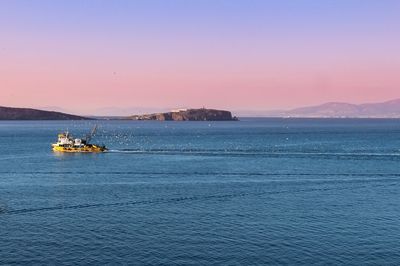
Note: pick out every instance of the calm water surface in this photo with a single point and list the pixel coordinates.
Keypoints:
(254, 192)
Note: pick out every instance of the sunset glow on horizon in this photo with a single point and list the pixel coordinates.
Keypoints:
(239, 55)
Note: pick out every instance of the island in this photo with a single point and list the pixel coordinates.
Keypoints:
(11, 113)
(201, 114)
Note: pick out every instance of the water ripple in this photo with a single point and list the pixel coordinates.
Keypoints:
(169, 200)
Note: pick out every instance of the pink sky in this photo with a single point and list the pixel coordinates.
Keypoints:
(233, 64)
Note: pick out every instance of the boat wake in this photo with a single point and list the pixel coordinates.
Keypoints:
(252, 152)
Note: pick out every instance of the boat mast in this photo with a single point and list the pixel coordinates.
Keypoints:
(91, 134)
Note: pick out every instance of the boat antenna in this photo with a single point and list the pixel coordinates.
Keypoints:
(91, 134)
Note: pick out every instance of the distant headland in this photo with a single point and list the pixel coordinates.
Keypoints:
(10, 113)
(201, 114)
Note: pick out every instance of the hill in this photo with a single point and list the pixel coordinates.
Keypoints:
(10, 113)
(188, 115)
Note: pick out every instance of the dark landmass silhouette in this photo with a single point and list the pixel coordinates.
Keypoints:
(11, 113)
(188, 115)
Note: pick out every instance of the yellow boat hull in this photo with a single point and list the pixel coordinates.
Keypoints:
(91, 148)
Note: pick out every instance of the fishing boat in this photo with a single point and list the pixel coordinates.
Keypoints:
(67, 143)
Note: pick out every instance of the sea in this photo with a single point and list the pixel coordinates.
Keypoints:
(259, 191)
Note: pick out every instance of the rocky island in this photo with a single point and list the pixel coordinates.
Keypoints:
(10, 113)
(188, 115)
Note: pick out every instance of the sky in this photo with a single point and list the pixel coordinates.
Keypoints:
(83, 56)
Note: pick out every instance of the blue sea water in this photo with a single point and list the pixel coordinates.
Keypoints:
(253, 192)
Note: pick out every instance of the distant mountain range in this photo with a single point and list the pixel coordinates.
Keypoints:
(389, 109)
(126, 111)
